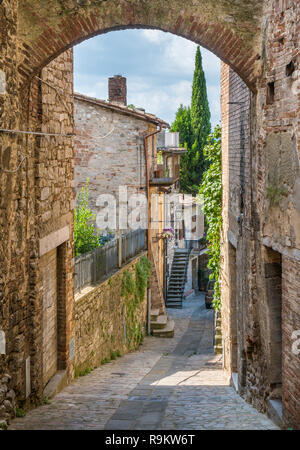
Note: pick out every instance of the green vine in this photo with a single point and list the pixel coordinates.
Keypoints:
(134, 290)
(211, 189)
(136, 287)
(85, 238)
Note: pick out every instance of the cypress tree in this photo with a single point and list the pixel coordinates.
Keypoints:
(194, 127)
(200, 119)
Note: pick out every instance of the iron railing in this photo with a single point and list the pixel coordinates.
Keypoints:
(95, 266)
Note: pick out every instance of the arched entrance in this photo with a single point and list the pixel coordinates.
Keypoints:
(231, 31)
(38, 31)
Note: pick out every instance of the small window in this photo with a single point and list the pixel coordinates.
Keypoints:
(270, 93)
(290, 69)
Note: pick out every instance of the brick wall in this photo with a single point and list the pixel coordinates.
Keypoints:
(270, 224)
(235, 106)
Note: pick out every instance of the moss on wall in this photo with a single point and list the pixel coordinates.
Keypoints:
(110, 319)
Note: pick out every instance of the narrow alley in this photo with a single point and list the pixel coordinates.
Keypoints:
(168, 384)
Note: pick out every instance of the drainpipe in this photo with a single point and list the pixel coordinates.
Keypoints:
(148, 182)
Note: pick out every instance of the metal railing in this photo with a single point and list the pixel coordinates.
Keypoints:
(95, 266)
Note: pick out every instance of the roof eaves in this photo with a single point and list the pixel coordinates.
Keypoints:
(122, 109)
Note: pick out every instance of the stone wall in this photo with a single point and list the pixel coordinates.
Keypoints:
(107, 323)
(262, 46)
(235, 106)
(117, 160)
(276, 208)
(36, 201)
(261, 215)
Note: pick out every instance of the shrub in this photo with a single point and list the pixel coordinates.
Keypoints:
(211, 189)
(85, 238)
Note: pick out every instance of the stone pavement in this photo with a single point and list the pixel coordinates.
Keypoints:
(171, 384)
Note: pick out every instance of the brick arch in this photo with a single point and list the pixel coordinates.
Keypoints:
(232, 35)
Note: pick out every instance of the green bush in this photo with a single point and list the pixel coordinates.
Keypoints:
(85, 238)
(211, 189)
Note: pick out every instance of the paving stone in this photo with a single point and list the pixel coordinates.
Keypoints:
(175, 384)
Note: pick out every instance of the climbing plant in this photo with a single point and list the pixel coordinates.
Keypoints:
(211, 189)
(134, 290)
(85, 238)
(136, 287)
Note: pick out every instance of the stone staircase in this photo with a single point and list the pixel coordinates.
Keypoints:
(178, 278)
(218, 348)
(161, 326)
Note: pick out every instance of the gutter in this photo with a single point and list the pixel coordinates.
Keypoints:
(148, 182)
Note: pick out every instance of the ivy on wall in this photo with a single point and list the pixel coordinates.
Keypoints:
(99, 326)
(134, 290)
(211, 189)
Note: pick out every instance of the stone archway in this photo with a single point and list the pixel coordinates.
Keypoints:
(231, 30)
(259, 39)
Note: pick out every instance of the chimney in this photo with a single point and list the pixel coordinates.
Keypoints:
(117, 89)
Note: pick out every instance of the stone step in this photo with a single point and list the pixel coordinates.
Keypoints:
(175, 305)
(218, 330)
(167, 331)
(154, 313)
(174, 300)
(171, 301)
(218, 340)
(218, 349)
(159, 323)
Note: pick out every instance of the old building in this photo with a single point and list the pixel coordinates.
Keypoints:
(259, 40)
(110, 145)
(260, 242)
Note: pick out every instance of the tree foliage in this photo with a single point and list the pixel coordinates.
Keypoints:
(183, 125)
(193, 124)
(85, 238)
(211, 189)
(200, 114)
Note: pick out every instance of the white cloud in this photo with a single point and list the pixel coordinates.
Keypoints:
(154, 36)
(159, 70)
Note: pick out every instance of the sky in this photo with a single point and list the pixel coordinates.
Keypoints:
(158, 66)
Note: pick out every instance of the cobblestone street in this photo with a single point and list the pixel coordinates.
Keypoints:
(174, 384)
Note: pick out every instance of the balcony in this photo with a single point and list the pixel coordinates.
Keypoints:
(160, 177)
